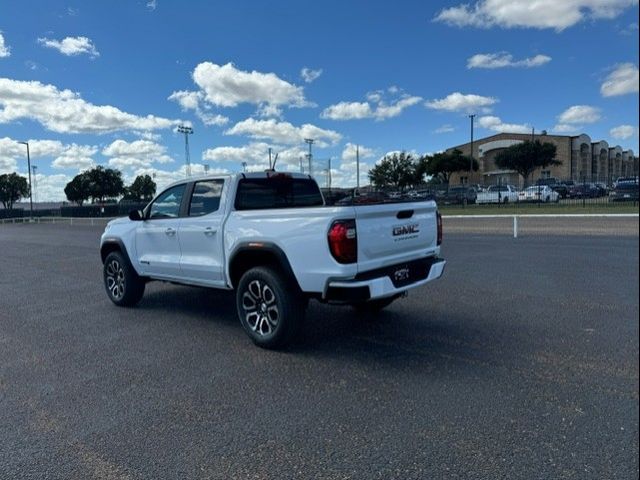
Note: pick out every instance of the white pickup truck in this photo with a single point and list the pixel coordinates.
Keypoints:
(271, 238)
(498, 194)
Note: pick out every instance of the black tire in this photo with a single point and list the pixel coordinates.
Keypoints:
(374, 306)
(270, 307)
(124, 287)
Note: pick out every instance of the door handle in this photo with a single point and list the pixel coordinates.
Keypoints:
(170, 231)
(209, 231)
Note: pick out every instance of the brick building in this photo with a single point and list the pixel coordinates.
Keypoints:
(582, 159)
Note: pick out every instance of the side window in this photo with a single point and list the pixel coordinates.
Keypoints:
(167, 205)
(206, 197)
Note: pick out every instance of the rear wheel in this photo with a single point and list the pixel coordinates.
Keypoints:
(124, 287)
(270, 307)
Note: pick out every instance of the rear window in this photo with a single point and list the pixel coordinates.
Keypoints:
(278, 191)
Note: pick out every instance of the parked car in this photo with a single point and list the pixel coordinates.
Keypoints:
(498, 194)
(270, 238)
(603, 191)
(561, 187)
(584, 190)
(624, 192)
(538, 193)
(458, 195)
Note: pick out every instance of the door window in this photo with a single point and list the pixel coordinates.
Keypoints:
(206, 197)
(167, 205)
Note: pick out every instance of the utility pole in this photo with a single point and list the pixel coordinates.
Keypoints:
(187, 160)
(329, 174)
(357, 166)
(270, 167)
(533, 134)
(30, 189)
(309, 141)
(35, 182)
(471, 117)
(244, 166)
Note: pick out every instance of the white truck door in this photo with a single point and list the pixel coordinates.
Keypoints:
(157, 241)
(201, 234)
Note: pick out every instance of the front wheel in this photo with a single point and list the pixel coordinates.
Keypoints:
(270, 307)
(124, 287)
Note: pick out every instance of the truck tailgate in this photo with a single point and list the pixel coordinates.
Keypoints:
(394, 232)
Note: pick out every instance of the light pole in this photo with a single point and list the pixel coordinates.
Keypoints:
(471, 117)
(35, 182)
(187, 159)
(309, 141)
(30, 191)
(357, 167)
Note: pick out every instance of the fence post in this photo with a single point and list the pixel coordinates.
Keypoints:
(515, 226)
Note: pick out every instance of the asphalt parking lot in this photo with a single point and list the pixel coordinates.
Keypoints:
(522, 362)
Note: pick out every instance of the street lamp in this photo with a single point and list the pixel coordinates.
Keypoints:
(30, 190)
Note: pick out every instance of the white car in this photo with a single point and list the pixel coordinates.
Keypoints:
(498, 194)
(270, 237)
(538, 193)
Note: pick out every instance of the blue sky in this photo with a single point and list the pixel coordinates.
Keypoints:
(107, 82)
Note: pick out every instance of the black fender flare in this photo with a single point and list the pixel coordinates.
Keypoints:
(108, 246)
(253, 248)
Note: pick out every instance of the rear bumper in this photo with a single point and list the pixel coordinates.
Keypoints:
(382, 286)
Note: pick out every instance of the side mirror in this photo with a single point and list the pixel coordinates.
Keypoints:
(136, 215)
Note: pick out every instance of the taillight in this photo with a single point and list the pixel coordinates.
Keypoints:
(343, 241)
(439, 221)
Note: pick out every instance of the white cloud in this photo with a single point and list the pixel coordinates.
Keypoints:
(622, 80)
(349, 152)
(5, 51)
(227, 86)
(446, 128)
(136, 154)
(505, 59)
(579, 114)
(623, 132)
(497, 125)
(71, 46)
(379, 108)
(78, 157)
(347, 111)
(540, 14)
(152, 5)
(71, 156)
(189, 100)
(50, 188)
(459, 102)
(309, 75)
(64, 111)
(284, 132)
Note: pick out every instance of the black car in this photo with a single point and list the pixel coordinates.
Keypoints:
(584, 190)
(458, 195)
(624, 192)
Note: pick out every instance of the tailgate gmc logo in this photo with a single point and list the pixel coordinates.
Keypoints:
(405, 230)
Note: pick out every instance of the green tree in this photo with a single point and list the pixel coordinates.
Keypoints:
(104, 183)
(13, 187)
(525, 157)
(395, 171)
(77, 190)
(443, 165)
(142, 188)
